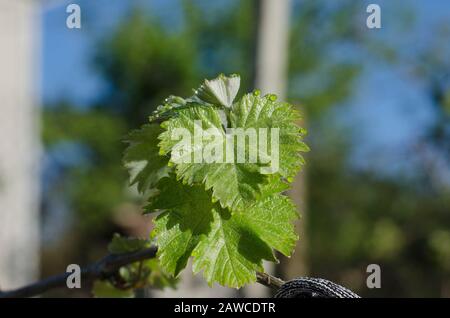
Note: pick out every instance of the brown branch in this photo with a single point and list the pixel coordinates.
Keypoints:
(104, 269)
(269, 280)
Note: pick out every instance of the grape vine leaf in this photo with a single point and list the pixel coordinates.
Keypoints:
(120, 244)
(220, 91)
(168, 108)
(234, 184)
(253, 111)
(142, 157)
(228, 247)
(227, 216)
(186, 217)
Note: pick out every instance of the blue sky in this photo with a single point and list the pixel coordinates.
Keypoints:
(67, 53)
(386, 107)
(66, 58)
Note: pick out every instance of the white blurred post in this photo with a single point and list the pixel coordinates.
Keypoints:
(19, 140)
(272, 47)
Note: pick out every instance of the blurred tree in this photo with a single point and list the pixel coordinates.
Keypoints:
(400, 221)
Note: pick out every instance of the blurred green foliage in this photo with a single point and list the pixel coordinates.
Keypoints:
(132, 277)
(355, 217)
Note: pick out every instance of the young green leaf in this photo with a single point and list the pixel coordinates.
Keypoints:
(228, 215)
(233, 184)
(220, 241)
(142, 157)
(254, 111)
(187, 216)
(120, 244)
(219, 91)
(232, 251)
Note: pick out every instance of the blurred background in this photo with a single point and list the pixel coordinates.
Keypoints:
(376, 103)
